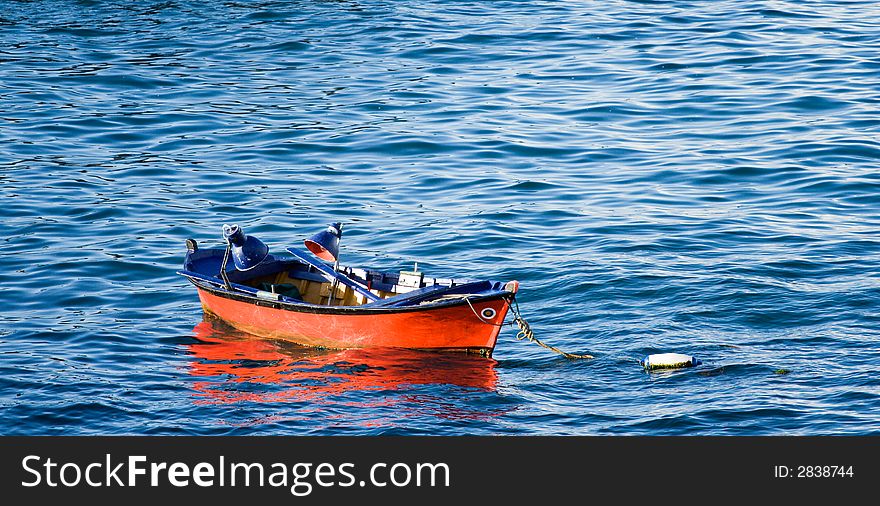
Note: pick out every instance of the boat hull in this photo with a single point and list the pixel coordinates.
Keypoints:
(447, 327)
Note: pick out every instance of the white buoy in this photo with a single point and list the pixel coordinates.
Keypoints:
(668, 361)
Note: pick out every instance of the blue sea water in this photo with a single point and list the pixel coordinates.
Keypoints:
(697, 177)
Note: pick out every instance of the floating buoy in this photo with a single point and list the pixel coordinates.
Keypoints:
(668, 361)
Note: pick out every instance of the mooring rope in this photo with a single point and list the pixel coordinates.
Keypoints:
(525, 330)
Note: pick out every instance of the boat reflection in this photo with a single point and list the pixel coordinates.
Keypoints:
(237, 367)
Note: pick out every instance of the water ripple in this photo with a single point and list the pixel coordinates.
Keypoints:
(659, 176)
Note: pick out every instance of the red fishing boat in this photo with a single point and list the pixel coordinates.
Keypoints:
(299, 297)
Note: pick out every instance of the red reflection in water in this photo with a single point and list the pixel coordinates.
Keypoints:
(288, 372)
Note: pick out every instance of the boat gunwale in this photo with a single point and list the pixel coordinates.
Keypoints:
(360, 310)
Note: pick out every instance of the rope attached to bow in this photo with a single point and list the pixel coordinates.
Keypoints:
(525, 330)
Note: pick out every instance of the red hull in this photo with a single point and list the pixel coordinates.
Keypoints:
(452, 328)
